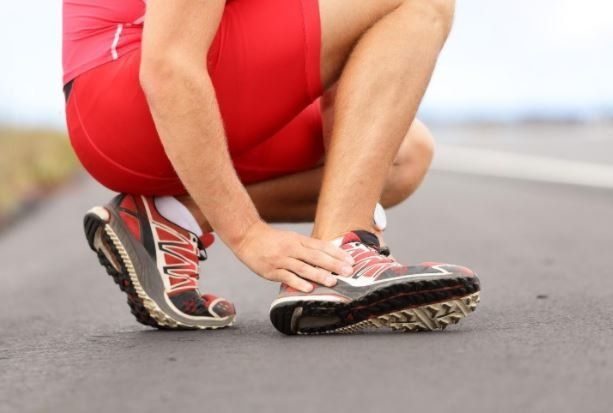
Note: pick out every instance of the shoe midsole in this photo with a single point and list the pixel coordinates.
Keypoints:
(347, 291)
(295, 299)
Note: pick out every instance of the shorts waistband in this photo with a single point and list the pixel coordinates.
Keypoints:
(68, 89)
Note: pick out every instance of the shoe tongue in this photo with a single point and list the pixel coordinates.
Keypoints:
(365, 237)
(207, 239)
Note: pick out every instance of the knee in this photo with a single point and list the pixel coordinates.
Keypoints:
(410, 166)
(417, 148)
(438, 13)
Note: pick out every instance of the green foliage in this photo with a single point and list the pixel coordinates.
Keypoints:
(32, 162)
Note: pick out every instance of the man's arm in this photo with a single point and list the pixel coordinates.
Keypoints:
(173, 74)
(183, 104)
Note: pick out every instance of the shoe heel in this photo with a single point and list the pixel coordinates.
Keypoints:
(94, 219)
(285, 318)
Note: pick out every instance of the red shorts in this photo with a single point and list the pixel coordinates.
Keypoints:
(265, 66)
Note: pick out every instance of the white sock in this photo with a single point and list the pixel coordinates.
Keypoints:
(380, 219)
(177, 213)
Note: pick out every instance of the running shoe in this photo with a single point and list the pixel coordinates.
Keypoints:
(380, 293)
(156, 263)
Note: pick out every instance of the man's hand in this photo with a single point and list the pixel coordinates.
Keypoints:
(183, 103)
(292, 258)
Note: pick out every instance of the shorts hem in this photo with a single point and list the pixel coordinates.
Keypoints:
(313, 43)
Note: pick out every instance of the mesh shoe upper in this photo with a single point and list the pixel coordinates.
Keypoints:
(177, 253)
(373, 266)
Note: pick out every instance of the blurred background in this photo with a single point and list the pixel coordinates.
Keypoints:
(505, 62)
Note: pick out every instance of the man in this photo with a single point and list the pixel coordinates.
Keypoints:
(304, 111)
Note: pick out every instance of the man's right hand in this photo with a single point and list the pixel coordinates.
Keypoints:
(291, 258)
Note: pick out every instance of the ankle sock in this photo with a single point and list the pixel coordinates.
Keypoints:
(380, 219)
(177, 213)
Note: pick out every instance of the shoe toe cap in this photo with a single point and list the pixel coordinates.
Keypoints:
(219, 306)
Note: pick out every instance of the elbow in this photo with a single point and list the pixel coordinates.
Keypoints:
(160, 75)
(154, 73)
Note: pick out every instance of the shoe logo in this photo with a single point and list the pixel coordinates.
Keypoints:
(369, 265)
(367, 281)
(177, 257)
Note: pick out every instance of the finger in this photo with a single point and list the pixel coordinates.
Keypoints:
(329, 248)
(324, 261)
(309, 272)
(293, 281)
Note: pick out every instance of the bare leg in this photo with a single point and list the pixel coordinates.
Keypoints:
(379, 91)
(293, 198)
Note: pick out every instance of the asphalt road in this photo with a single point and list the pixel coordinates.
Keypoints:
(541, 340)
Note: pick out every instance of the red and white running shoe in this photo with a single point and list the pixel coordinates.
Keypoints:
(155, 262)
(380, 293)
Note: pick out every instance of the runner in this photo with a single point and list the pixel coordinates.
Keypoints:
(229, 116)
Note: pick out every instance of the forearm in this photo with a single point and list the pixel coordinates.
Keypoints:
(189, 123)
(176, 38)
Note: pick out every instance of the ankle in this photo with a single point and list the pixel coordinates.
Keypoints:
(332, 233)
(334, 228)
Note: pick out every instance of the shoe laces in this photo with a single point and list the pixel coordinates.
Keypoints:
(382, 255)
(381, 250)
(385, 251)
(202, 255)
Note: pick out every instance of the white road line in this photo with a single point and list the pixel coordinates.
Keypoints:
(496, 163)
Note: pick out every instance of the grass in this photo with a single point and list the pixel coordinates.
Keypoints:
(32, 162)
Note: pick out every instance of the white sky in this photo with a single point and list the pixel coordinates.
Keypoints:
(505, 60)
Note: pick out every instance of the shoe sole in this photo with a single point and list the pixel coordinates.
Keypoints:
(113, 256)
(426, 305)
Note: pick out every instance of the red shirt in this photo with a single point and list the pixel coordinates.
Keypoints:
(99, 31)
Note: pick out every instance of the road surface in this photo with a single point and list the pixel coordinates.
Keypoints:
(540, 341)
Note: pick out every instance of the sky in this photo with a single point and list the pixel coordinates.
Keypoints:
(505, 61)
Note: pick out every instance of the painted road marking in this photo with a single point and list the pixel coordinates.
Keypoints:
(488, 162)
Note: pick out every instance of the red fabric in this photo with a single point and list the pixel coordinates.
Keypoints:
(207, 239)
(99, 31)
(129, 204)
(176, 248)
(132, 223)
(264, 63)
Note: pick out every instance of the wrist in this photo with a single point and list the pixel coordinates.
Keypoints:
(235, 237)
